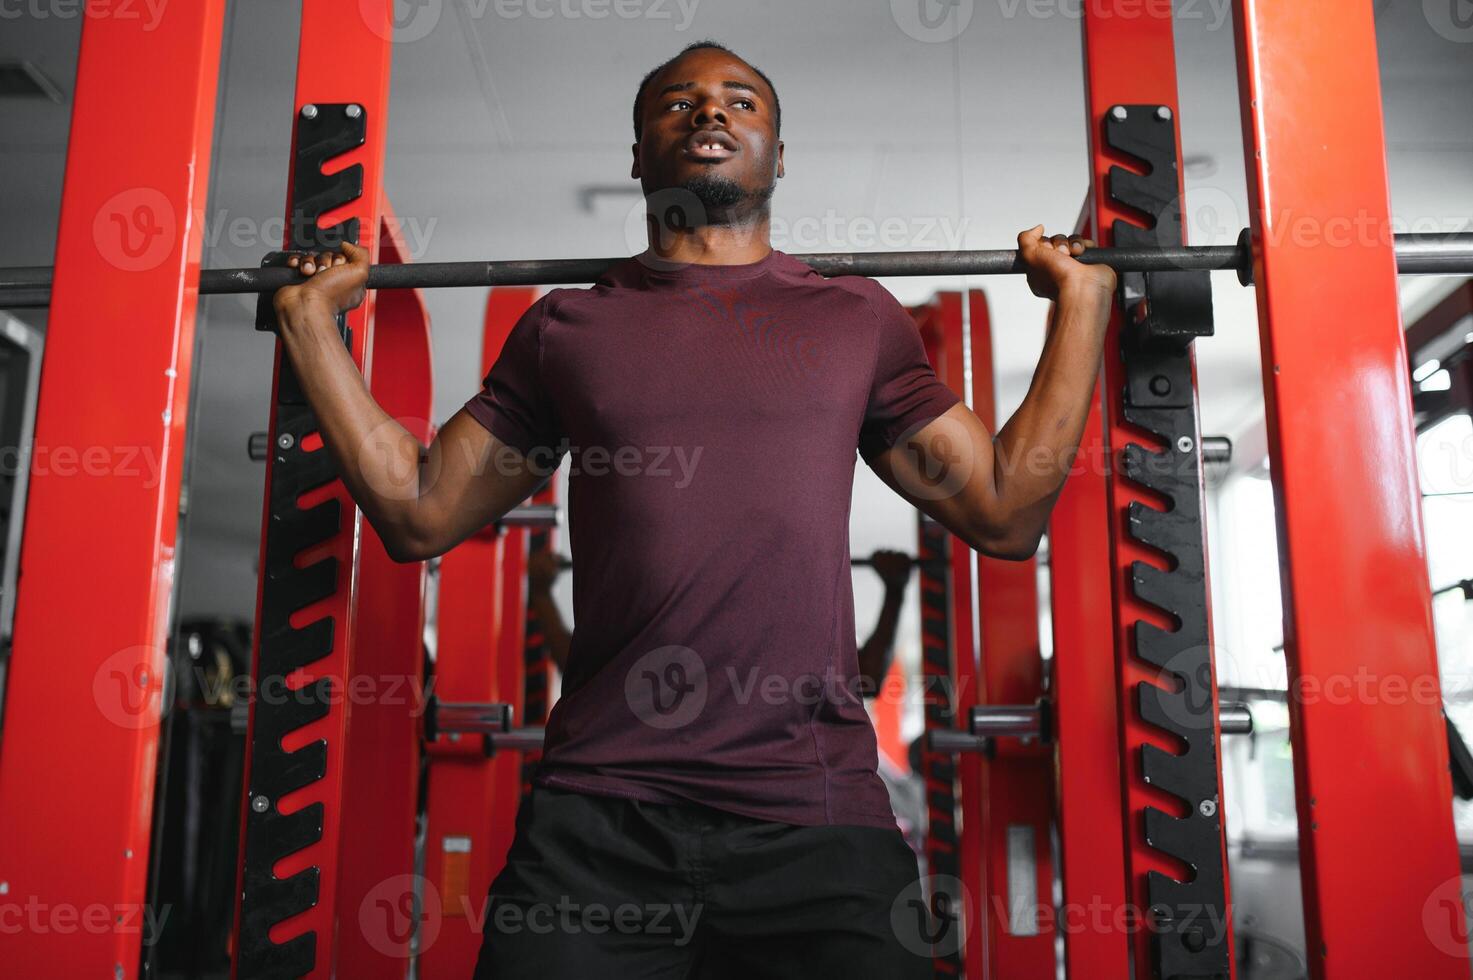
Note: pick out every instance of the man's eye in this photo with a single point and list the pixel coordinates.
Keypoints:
(747, 102)
(678, 102)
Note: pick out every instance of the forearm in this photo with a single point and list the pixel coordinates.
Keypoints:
(377, 458)
(554, 633)
(1034, 451)
(874, 656)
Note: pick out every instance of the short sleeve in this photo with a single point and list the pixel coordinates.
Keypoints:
(905, 393)
(513, 402)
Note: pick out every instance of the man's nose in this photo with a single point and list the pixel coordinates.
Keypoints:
(708, 111)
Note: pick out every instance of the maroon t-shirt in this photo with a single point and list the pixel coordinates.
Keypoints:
(712, 415)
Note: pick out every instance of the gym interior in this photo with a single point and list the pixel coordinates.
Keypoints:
(1212, 725)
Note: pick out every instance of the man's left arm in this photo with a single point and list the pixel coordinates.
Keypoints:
(893, 568)
(996, 493)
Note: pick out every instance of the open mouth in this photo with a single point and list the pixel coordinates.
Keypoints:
(710, 145)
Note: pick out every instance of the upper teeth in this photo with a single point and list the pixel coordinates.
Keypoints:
(709, 146)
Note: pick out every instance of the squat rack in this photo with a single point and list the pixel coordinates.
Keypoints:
(1334, 361)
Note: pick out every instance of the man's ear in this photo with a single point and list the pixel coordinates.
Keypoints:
(634, 170)
(779, 158)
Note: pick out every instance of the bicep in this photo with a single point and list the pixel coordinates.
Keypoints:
(469, 479)
(946, 470)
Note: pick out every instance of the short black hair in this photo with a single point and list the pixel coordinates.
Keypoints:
(777, 106)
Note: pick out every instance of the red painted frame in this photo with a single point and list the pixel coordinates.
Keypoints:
(382, 750)
(1016, 783)
(1087, 784)
(972, 800)
(1130, 58)
(472, 801)
(946, 852)
(1378, 855)
(340, 59)
(77, 761)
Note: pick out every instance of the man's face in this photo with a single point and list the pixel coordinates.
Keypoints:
(709, 128)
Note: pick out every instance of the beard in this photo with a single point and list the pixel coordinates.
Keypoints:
(724, 201)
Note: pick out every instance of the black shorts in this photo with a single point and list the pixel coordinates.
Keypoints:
(597, 886)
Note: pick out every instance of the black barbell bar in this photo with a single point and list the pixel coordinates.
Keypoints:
(1416, 254)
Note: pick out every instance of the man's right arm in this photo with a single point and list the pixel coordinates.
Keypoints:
(421, 502)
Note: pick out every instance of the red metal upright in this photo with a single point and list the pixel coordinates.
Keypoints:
(953, 868)
(289, 911)
(1015, 790)
(78, 756)
(972, 803)
(1378, 855)
(472, 800)
(385, 695)
(1165, 690)
(1087, 785)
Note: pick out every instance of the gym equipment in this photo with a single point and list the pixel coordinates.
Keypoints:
(1416, 254)
(1334, 361)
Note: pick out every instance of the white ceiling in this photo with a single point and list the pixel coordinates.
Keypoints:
(499, 120)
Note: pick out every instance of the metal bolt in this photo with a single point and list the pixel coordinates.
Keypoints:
(4, 888)
(354, 111)
(309, 112)
(1119, 113)
(118, 971)
(1163, 113)
(1207, 807)
(286, 440)
(1160, 385)
(1185, 444)
(260, 804)
(128, 853)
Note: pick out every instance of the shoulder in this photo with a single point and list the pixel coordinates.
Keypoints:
(867, 300)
